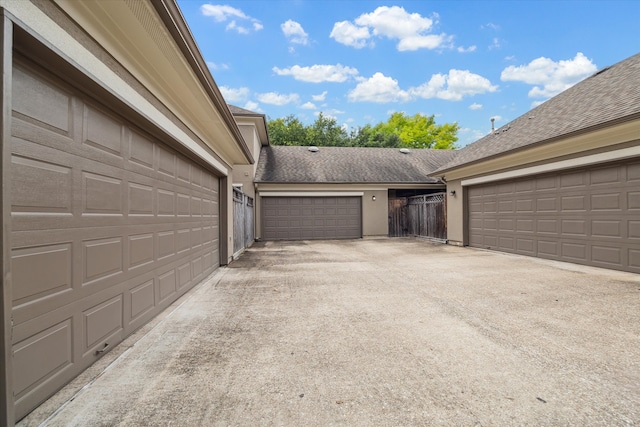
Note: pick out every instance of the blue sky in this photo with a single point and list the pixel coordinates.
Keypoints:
(360, 61)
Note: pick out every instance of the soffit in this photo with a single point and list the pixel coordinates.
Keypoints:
(133, 33)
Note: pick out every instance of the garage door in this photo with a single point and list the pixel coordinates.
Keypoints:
(109, 226)
(586, 216)
(308, 218)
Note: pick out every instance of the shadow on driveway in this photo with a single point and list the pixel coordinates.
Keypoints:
(375, 332)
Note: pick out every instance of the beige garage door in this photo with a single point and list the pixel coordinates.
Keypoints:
(309, 218)
(588, 216)
(109, 226)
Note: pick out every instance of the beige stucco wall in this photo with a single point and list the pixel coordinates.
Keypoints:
(455, 213)
(375, 213)
(244, 174)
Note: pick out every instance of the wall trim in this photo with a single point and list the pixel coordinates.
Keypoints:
(311, 193)
(621, 154)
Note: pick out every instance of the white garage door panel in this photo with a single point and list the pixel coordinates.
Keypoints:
(109, 226)
(587, 216)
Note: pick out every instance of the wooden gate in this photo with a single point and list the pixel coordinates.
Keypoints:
(243, 220)
(398, 217)
(424, 216)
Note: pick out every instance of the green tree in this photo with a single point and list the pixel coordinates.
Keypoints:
(325, 132)
(420, 131)
(400, 130)
(287, 131)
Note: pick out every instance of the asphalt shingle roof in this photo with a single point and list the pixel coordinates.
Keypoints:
(285, 164)
(610, 95)
(237, 111)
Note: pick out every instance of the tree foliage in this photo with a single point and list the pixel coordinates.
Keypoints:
(400, 130)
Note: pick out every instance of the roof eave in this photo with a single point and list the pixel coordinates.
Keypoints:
(579, 132)
(173, 19)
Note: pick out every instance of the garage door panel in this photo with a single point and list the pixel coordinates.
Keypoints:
(587, 216)
(609, 175)
(607, 255)
(102, 131)
(109, 226)
(40, 186)
(608, 201)
(546, 204)
(634, 260)
(300, 218)
(31, 370)
(634, 229)
(548, 248)
(573, 180)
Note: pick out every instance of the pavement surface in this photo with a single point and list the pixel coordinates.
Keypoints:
(391, 332)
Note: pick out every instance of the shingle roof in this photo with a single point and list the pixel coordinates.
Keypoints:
(237, 111)
(285, 164)
(608, 96)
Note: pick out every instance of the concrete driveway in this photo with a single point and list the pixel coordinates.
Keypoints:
(385, 332)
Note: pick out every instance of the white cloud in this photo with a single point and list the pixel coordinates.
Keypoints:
(309, 106)
(294, 32)
(549, 77)
(320, 97)
(534, 104)
(395, 23)
(318, 73)
(234, 94)
(453, 86)
(215, 66)
(467, 49)
(350, 35)
(252, 106)
(224, 13)
(475, 106)
(221, 12)
(490, 25)
(380, 89)
(275, 98)
(432, 41)
(495, 44)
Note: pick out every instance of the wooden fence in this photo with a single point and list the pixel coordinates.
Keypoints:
(243, 221)
(424, 216)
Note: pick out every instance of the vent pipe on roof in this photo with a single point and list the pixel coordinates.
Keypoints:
(313, 149)
(404, 150)
(493, 119)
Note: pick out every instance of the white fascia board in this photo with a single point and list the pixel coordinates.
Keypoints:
(592, 159)
(91, 66)
(311, 193)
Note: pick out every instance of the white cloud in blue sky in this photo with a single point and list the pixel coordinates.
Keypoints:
(224, 13)
(365, 58)
(294, 32)
(395, 23)
(550, 77)
(318, 73)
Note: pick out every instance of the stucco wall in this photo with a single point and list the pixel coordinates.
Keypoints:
(455, 213)
(375, 213)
